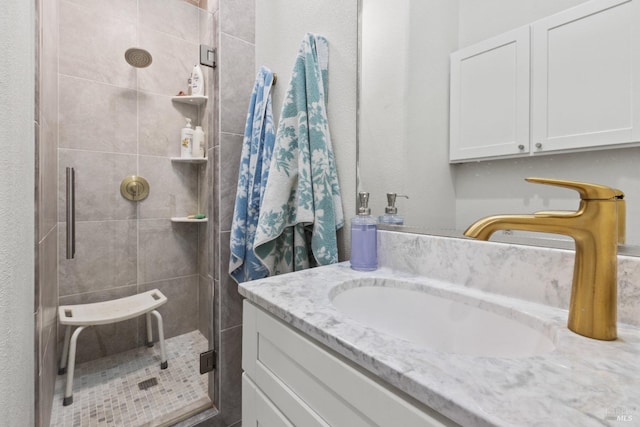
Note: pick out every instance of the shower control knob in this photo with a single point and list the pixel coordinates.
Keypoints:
(134, 188)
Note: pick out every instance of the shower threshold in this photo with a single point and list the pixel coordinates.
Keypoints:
(130, 389)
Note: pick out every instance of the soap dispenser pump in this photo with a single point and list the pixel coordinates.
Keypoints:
(391, 211)
(364, 237)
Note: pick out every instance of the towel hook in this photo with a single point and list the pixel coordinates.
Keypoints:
(275, 79)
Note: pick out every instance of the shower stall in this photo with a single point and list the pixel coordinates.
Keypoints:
(108, 76)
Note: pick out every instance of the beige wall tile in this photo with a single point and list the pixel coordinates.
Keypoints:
(98, 178)
(48, 182)
(237, 76)
(159, 123)
(125, 10)
(48, 277)
(173, 188)
(166, 250)
(175, 18)
(173, 60)
(48, 376)
(180, 313)
(230, 299)
(47, 117)
(92, 46)
(205, 306)
(230, 355)
(105, 257)
(230, 153)
(46, 280)
(207, 33)
(238, 19)
(96, 116)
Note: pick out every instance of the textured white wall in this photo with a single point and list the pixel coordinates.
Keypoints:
(404, 107)
(383, 111)
(480, 20)
(17, 26)
(280, 27)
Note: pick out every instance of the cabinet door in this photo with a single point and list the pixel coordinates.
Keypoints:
(490, 98)
(257, 409)
(313, 387)
(586, 76)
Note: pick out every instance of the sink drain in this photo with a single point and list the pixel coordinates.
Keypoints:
(148, 383)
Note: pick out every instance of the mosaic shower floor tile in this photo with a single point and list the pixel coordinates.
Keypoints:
(129, 388)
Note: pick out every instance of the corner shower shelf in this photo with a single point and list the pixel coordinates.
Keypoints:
(190, 99)
(185, 219)
(189, 159)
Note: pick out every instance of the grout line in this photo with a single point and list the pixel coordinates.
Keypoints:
(93, 81)
(231, 133)
(239, 325)
(137, 284)
(252, 43)
(94, 151)
(136, 88)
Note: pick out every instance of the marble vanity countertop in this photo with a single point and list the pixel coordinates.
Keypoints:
(583, 382)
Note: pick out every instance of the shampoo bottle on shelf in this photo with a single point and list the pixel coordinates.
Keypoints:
(186, 140)
(391, 211)
(198, 143)
(197, 81)
(364, 237)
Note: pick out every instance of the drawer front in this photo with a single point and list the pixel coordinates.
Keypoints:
(277, 357)
(257, 409)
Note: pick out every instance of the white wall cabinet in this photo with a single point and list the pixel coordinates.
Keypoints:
(490, 97)
(584, 86)
(289, 380)
(586, 75)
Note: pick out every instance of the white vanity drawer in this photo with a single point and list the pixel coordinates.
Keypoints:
(258, 410)
(313, 387)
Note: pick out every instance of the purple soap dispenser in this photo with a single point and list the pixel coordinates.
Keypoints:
(364, 237)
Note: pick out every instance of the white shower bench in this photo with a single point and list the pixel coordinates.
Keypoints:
(102, 313)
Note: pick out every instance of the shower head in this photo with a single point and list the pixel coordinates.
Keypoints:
(137, 57)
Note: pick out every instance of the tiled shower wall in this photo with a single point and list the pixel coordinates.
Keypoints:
(236, 73)
(115, 121)
(46, 283)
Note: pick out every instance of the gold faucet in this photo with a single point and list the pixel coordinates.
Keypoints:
(597, 227)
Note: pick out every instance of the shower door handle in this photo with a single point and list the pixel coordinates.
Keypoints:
(71, 213)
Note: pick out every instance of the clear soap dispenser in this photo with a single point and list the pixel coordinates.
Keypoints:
(391, 211)
(364, 238)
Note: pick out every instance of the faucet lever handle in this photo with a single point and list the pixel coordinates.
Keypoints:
(587, 190)
(622, 220)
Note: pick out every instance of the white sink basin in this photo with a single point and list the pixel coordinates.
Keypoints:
(438, 323)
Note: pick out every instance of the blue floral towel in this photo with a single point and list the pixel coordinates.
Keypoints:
(257, 148)
(302, 207)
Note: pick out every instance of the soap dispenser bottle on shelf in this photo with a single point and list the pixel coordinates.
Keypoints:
(197, 81)
(364, 237)
(197, 151)
(186, 140)
(391, 211)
